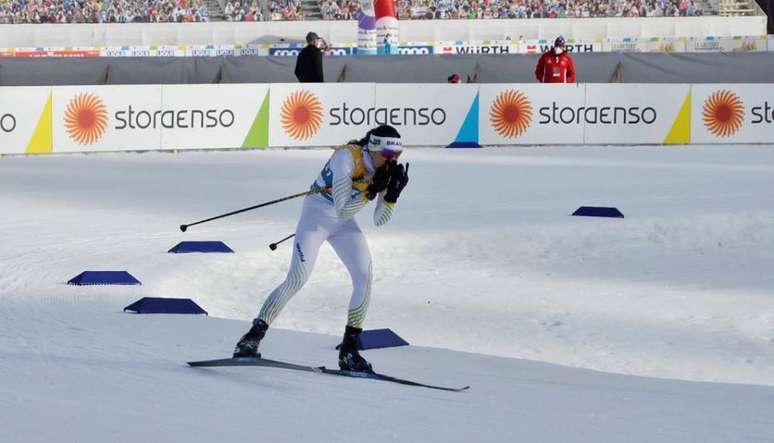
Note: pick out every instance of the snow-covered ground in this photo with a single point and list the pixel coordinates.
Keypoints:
(482, 257)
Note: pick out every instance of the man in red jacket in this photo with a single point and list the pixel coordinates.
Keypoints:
(555, 66)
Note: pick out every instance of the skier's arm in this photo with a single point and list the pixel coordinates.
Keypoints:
(345, 198)
(389, 198)
(383, 211)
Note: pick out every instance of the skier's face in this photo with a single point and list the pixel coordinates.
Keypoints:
(379, 158)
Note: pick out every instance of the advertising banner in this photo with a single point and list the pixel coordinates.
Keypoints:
(733, 113)
(727, 44)
(572, 45)
(55, 52)
(531, 114)
(428, 114)
(107, 118)
(294, 49)
(744, 44)
(637, 113)
(320, 114)
(151, 117)
(475, 48)
(215, 116)
(25, 120)
(655, 44)
(414, 49)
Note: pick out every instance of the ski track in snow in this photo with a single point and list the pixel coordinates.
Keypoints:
(481, 256)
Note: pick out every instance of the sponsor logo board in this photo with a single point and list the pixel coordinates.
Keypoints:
(428, 114)
(530, 114)
(107, 118)
(206, 116)
(293, 51)
(318, 114)
(462, 48)
(633, 113)
(414, 50)
(572, 46)
(732, 113)
(25, 123)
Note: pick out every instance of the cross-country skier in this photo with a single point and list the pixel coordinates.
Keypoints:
(356, 173)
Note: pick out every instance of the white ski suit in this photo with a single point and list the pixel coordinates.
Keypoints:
(329, 215)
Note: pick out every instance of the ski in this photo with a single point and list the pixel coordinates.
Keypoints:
(383, 377)
(247, 361)
(250, 361)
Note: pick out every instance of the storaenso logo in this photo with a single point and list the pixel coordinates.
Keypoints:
(762, 114)
(7, 123)
(604, 115)
(723, 113)
(511, 112)
(301, 115)
(85, 118)
(174, 118)
(345, 115)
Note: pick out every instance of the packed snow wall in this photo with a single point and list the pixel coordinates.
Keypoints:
(57, 119)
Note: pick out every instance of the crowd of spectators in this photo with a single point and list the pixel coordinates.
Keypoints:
(285, 10)
(102, 11)
(51, 11)
(514, 9)
(151, 11)
(125, 11)
(236, 11)
(339, 10)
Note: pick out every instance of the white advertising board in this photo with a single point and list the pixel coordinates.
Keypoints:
(531, 114)
(636, 113)
(214, 116)
(107, 118)
(425, 114)
(733, 113)
(320, 114)
(25, 115)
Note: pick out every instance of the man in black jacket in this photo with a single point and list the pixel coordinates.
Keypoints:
(309, 62)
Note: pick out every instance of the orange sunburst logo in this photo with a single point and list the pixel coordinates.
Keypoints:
(723, 113)
(510, 113)
(85, 118)
(301, 115)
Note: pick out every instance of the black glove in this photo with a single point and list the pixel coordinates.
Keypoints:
(380, 180)
(398, 180)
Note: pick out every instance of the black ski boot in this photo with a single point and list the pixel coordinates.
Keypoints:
(349, 358)
(248, 344)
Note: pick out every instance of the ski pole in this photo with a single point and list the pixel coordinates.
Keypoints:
(273, 246)
(289, 197)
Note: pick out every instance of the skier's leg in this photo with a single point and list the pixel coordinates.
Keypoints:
(310, 234)
(351, 246)
(309, 237)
